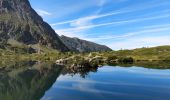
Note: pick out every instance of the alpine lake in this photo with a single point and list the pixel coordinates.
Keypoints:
(35, 80)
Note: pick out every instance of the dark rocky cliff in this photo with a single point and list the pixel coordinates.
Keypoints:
(18, 21)
(79, 45)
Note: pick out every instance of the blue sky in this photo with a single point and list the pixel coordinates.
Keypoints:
(119, 24)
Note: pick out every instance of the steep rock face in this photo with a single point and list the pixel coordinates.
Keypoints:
(20, 22)
(75, 44)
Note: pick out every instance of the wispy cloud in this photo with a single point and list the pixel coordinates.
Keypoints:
(124, 10)
(80, 25)
(70, 7)
(101, 2)
(79, 34)
(130, 34)
(43, 13)
(113, 23)
(139, 42)
(86, 18)
(131, 40)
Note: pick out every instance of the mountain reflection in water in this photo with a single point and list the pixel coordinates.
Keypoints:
(27, 80)
(31, 80)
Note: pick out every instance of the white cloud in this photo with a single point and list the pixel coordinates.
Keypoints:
(142, 31)
(133, 43)
(131, 40)
(124, 10)
(102, 2)
(76, 7)
(43, 12)
(80, 35)
(81, 22)
(80, 28)
(80, 25)
(88, 18)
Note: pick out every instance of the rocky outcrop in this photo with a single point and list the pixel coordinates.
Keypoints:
(18, 21)
(79, 45)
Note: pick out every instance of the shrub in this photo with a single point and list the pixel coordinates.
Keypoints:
(167, 58)
(126, 59)
(112, 57)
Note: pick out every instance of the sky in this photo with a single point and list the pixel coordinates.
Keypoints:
(119, 24)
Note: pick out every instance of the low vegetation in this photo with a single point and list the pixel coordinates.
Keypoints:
(93, 59)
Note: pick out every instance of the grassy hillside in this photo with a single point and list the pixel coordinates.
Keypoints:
(32, 52)
(155, 53)
(161, 53)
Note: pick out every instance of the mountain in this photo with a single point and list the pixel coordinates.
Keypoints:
(75, 44)
(19, 22)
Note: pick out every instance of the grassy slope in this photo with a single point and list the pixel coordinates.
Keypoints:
(16, 52)
(155, 53)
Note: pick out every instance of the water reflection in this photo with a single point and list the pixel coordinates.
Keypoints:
(146, 64)
(27, 80)
(83, 72)
(32, 80)
(112, 82)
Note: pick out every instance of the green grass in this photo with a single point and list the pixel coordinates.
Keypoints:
(160, 53)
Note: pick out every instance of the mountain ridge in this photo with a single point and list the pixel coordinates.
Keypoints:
(79, 45)
(19, 21)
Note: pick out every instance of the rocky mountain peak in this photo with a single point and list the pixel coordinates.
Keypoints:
(18, 21)
(79, 45)
(21, 23)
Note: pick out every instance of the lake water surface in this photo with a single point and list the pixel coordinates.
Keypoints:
(47, 81)
(112, 83)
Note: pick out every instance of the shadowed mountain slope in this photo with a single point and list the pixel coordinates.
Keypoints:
(79, 45)
(19, 22)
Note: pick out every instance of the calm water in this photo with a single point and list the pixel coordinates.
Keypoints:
(46, 81)
(113, 83)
